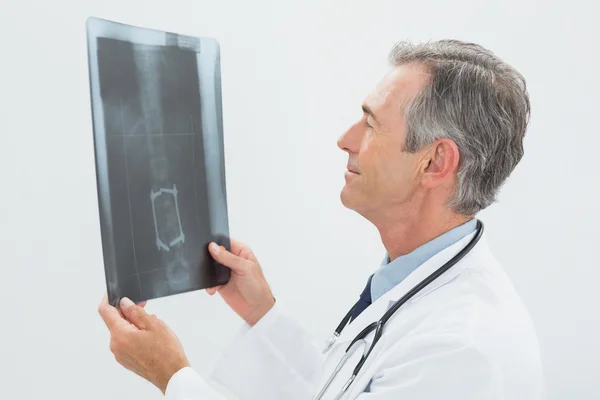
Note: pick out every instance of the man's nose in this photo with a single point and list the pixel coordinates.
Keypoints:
(341, 140)
(350, 140)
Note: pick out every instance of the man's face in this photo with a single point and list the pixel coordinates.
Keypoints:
(380, 175)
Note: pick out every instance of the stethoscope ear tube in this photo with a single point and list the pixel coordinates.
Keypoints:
(349, 353)
(363, 359)
(363, 334)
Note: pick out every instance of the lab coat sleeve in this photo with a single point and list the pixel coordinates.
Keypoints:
(186, 384)
(432, 367)
(275, 359)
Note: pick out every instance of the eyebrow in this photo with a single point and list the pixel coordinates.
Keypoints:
(367, 110)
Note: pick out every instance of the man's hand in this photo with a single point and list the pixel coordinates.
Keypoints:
(143, 343)
(247, 292)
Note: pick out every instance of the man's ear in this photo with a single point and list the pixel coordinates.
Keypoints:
(442, 163)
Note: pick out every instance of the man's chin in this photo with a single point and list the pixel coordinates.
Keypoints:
(347, 198)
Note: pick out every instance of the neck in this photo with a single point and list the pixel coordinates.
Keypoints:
(401, 232)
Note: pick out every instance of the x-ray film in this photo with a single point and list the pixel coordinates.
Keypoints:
(158, 142)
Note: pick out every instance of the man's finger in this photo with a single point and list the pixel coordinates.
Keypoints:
(134, 313)
(242, 250)
(212, 290)
(221, 255)
(111, 316)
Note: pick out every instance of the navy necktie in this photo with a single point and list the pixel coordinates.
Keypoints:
(364, 301)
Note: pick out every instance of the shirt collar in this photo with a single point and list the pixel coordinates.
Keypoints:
(392, 273)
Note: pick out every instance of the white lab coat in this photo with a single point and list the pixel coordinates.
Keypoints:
(467, 336)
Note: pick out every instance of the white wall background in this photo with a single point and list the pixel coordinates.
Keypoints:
(294, 75)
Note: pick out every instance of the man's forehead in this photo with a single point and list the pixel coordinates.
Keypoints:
(398, 87)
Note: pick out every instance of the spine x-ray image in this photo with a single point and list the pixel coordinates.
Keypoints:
(158, 136)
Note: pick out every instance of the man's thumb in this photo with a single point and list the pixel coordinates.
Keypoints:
(134, 313)
(228, 259)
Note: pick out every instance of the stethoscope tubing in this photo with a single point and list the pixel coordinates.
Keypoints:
(380, 324)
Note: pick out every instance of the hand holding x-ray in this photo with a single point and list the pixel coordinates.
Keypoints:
(247, 291)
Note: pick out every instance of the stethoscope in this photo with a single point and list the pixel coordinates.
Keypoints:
(379, 325)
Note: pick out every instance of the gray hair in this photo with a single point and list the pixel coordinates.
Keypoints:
(477, 101)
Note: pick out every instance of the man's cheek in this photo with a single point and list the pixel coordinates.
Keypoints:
(365, 147)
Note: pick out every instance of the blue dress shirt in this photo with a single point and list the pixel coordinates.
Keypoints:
(390, 274)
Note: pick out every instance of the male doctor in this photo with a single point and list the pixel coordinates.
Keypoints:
(437, 138)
